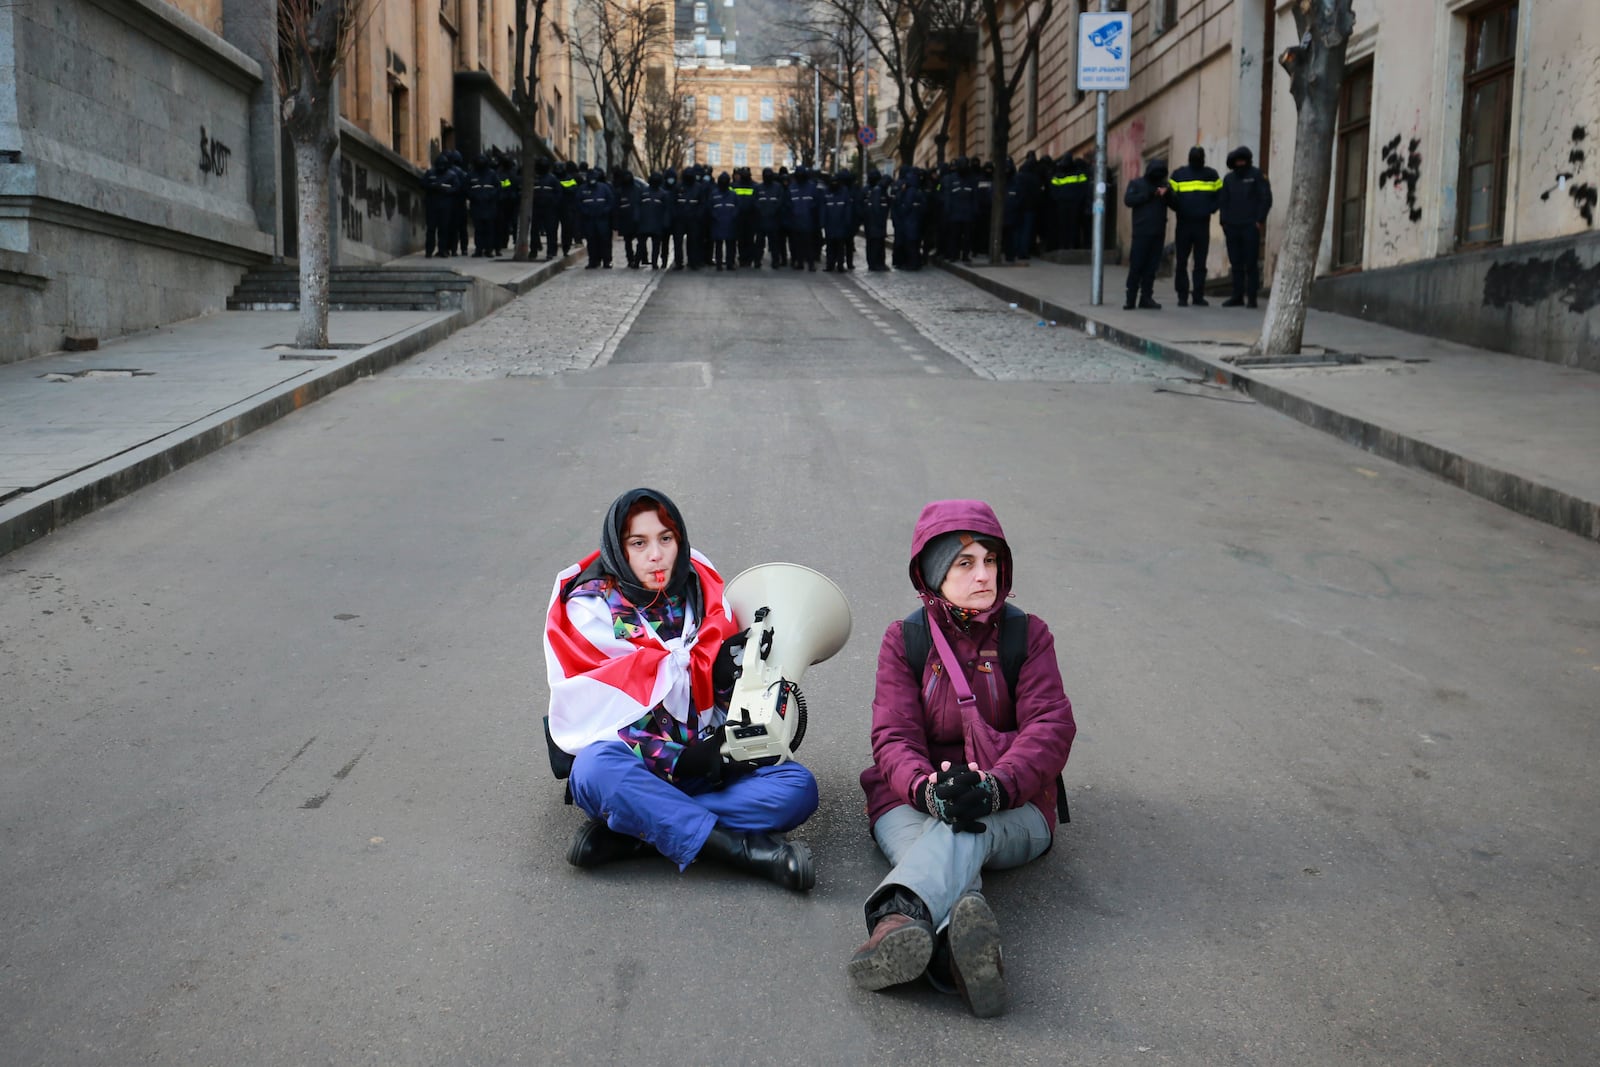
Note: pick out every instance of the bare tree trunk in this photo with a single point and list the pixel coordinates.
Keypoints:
(312, 163)
(1316, 72)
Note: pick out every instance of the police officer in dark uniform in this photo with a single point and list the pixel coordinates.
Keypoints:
(456, 231)
(625, 215)
(1150, 197)
(546, 211)
(770, 197)
(800, 221)
(655, 220)
(595, 202)
(910, 203)
(484, 196)
(568, 182)
(875, 208)
(1245, 199)
(438, 192)
(1196, 189)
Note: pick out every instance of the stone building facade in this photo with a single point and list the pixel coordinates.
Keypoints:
(1463, 197)
(143, 170)
(736, 112)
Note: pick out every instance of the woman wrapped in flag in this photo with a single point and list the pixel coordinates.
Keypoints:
(639, 647)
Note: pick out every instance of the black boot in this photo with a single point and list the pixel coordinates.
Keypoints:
(596, 843)
(1147, 303)
(787, 863)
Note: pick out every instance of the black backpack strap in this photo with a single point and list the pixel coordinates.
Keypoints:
(1013, 645)
(914, 629)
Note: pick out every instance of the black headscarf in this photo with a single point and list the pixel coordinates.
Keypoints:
(613, 561)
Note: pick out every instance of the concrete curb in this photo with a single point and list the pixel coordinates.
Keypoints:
(1521, 494)
(34, 515)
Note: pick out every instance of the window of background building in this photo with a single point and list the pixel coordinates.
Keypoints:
(1163, 16)
(700, 13)
(399, 119)
(741, 155)
(1350, 181)
(788, 158)
(688, 109)
(741, 109)
(713, 109)
(483, 34)
(766, 109)
(1486, 123)
(766, 155)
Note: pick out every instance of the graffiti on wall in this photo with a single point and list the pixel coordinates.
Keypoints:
(1583, 194)
(213, 155)
(363, 196)
(1532, 281)
(1403, 170)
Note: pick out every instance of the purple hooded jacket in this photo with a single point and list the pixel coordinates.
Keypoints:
(916, 722)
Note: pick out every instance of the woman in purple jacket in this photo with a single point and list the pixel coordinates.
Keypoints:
(948, 798)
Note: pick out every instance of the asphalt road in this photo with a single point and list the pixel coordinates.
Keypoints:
(273, 788)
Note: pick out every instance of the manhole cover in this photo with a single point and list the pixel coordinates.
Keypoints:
(96, 374)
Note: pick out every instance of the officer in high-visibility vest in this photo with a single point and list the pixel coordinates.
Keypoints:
(1065, 195)
(1197, 190)
(744, 191)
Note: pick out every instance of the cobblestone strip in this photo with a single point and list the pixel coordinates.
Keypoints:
(999, 342)
(573, 322)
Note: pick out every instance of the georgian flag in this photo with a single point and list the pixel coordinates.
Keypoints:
(600, 682)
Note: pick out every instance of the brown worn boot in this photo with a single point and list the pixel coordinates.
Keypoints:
(975, 957)
(898, 951)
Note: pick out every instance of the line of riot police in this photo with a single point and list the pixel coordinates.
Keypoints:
(688, 220)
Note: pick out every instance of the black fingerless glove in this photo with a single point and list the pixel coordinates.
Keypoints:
(724, 671)
(969, 800)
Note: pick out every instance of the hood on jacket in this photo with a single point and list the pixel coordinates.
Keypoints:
(613, 561)
(1197, 156)
(947, 516)
(1242, 154)
(1155, 171)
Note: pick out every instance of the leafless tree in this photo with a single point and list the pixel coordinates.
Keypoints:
(922, 46)
(666, 118)
(796, 120)
(1034, 17)
(314, 40)
(618, 42)
(832, 34)
(525, 97)
(1315, 64)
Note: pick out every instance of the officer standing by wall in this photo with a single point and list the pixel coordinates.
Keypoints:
(438, 189)
(1149, 197)
(1245, 200)
(1197, 189)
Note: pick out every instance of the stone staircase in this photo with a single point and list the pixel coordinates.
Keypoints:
(277, 288)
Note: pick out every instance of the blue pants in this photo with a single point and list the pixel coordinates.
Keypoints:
(609, 782)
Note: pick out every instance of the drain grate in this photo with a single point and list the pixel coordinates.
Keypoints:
(96, 374)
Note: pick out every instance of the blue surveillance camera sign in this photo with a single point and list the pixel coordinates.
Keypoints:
(1104, 42)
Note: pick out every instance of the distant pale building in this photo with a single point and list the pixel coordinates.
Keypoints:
(736, 112)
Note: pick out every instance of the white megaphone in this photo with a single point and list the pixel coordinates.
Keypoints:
(797, 618)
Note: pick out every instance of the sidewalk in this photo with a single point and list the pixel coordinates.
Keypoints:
(80, 429)
(1519, 432)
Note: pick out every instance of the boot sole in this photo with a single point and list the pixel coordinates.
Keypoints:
(975, 956)
(805, 872)
(900, 957)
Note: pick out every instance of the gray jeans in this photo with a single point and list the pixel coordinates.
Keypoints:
(938, 864)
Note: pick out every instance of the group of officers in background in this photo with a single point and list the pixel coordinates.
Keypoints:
(689, 219)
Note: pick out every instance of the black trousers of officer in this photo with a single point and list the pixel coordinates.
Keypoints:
(801, 251)
(679, 259)
(456, 230)
(438, 235)
(1144, 257)
(483, 233)
(597, 236)
(875, 253)
(1193, 236)
(1244, 256)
